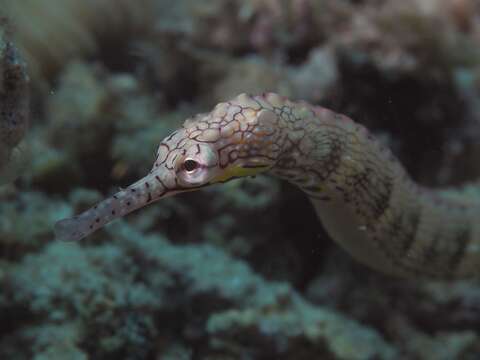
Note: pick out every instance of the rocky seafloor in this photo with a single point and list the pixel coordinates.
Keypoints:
(243, 270)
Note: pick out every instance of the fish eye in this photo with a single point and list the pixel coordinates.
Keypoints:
(197, 166)
(190, 165)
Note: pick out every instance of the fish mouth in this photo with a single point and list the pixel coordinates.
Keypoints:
(145, 191)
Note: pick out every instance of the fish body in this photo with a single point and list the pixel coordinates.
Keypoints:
(362, 194)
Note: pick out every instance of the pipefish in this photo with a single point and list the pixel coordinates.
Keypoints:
(362, 194)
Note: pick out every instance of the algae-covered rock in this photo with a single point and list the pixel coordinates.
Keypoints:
(14, 107)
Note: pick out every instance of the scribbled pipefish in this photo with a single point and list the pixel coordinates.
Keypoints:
(362, 194)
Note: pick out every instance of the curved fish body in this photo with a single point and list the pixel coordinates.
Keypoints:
(362, 194)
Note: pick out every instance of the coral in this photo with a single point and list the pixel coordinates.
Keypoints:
(404, 36)
(53, 341)
(101, 304)
(445, 346)
(26, 222)
(315, 79)
(252, 74)
(239, 274)
(416, 310)
(89, 96)
(263, 25)
(65, 283)
(51, 33)
(295, 330)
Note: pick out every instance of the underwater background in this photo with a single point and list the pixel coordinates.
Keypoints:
(242, 270)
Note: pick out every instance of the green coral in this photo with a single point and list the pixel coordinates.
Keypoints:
(27, 221)
(114, 302)
(194, 276)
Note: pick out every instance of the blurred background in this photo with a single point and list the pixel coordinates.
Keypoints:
(243, 270)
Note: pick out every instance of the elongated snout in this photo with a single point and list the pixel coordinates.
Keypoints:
(156, 185)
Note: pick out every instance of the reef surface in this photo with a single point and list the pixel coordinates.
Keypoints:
(243, 270)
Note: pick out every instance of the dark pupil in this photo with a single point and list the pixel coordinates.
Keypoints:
(190, 165)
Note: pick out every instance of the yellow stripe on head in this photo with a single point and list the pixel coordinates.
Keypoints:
(235, 171)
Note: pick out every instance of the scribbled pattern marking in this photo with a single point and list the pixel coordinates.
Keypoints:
(362, 194)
